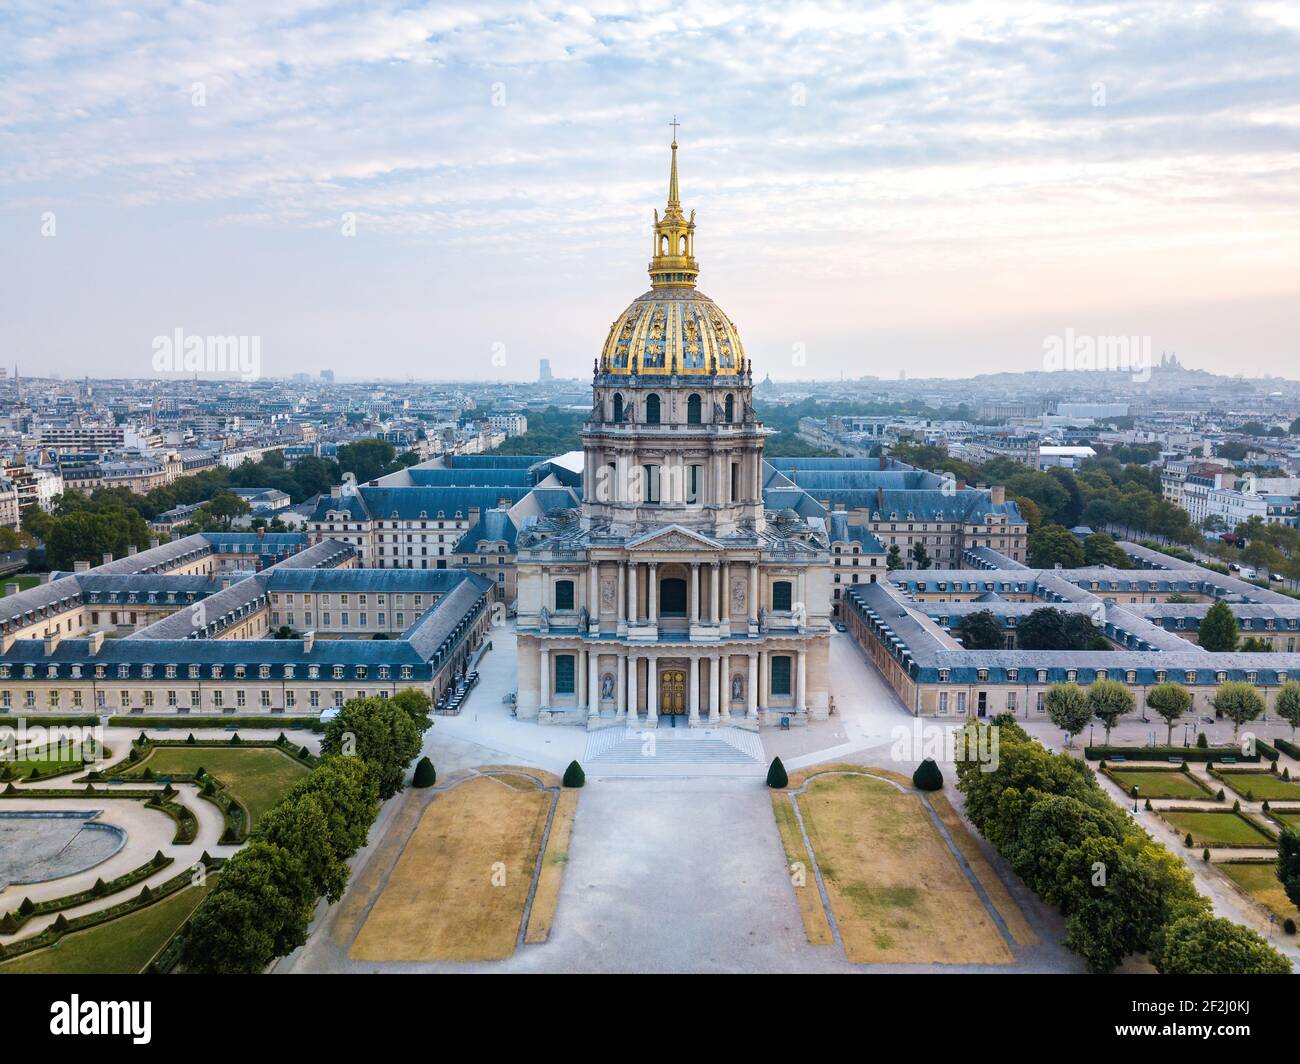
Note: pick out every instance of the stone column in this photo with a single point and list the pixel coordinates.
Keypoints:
(632, 612)
(724, 685)
(751, 690)
(714, 570)
(620, 684)
(693, 691)
(726, 596)
(543, 678)
(764, 663)
(800, 690)
(580, 677)
(631, 687)
(652, 690)
(593, 683)
(753, 592)
(593, 594)
(715, 692)
(695, 592)
(622, 597)
(652, 593)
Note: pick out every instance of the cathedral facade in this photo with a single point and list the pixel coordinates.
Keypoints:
(670, 592)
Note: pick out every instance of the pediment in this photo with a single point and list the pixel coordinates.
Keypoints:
(672, 537)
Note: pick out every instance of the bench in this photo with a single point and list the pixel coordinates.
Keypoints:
(1227, 760)
(1118, 757)
(1175, 760)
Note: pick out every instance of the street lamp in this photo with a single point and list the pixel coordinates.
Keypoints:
(1135, 798)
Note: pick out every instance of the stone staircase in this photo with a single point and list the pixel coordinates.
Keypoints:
(717, 751)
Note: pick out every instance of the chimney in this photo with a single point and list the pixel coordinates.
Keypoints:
(225, 582)
(153, 543)
(961, 483)
(51, 642)
(11, 589)
(308, 641)
(108, 557)
(81, 567)
(261, 532)
(336, 491)
(998, 494)
(94, 642)
(131, 550)
(880, 499)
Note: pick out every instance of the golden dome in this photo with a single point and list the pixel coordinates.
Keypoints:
(673, 328)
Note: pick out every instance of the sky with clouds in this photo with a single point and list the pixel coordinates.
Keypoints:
(936, 187)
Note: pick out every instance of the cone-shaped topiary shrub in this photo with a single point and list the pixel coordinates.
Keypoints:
(1202, 743)
(145, 893)
(235, 740)
(425, 776)
(8, 925)
(1147, 805)
(60, 923)
(1288, 925)
(927, 776)
(1205, 855)
(1219, 794)
(26, 907)
(574, 776)
(776, 775)
(35, 773)
(99, 887)
(1188, 840)
(190, 739)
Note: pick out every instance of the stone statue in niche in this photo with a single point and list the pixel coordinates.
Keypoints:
(737, 688)
(738, 595)
(607, 686)
(607, 594)
(583, 618)
(544, 619)
(762, 618)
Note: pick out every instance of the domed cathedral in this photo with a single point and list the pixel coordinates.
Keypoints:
(671, 593)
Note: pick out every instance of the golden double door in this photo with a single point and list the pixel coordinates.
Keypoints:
(672, 692)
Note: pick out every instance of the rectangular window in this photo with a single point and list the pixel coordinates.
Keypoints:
(564, 594)
(650, 483)
(781, 674)
(693, 483)
(781, 596)
(565, 674)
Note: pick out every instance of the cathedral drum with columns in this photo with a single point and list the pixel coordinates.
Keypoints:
(671, 593)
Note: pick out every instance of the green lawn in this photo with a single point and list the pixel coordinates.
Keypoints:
(1262, 784)
(256, 775)
(1261, 883)
(1287, 818)
(1216, 829)
(119, 947)
(24, 581)
(1152, 783)
(47, 765)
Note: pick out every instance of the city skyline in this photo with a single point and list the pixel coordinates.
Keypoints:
(1023, 172)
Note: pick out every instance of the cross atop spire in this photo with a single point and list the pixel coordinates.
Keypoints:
(674, 123)
(674, 197)
(673, 263)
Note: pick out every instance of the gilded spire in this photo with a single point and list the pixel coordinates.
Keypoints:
(673, 264)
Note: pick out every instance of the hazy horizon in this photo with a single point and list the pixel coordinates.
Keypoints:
(929, 187)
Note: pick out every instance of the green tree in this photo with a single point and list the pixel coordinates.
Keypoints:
(920, 556)
(366, 459)
(1171, 701)
(298, 826)
(347, 791)
(1067, 707)
(1239, 702)
(1210, 945)
(980, 631)
(258, 910)
(1218, 631)
(381, 734)
(1288, 864)
(893, 558)
(1101, 549)
(1109, 700)
(776, 774)
(1287, 704)
(1052, 545)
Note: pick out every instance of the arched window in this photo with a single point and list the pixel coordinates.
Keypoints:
(693, 407)
(730, 408)
(652, 410)
(618, 408)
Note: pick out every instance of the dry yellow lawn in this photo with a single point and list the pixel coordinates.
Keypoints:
(993, 886)
(457, 893)
(897, 893)
(554, 861)
(815, 924)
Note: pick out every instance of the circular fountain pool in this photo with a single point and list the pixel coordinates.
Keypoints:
(36, 846)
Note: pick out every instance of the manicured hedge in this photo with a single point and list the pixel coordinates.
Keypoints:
(13, 922)
(277, 720)
(79, 923)
(1287, 747)
(1164, 753)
